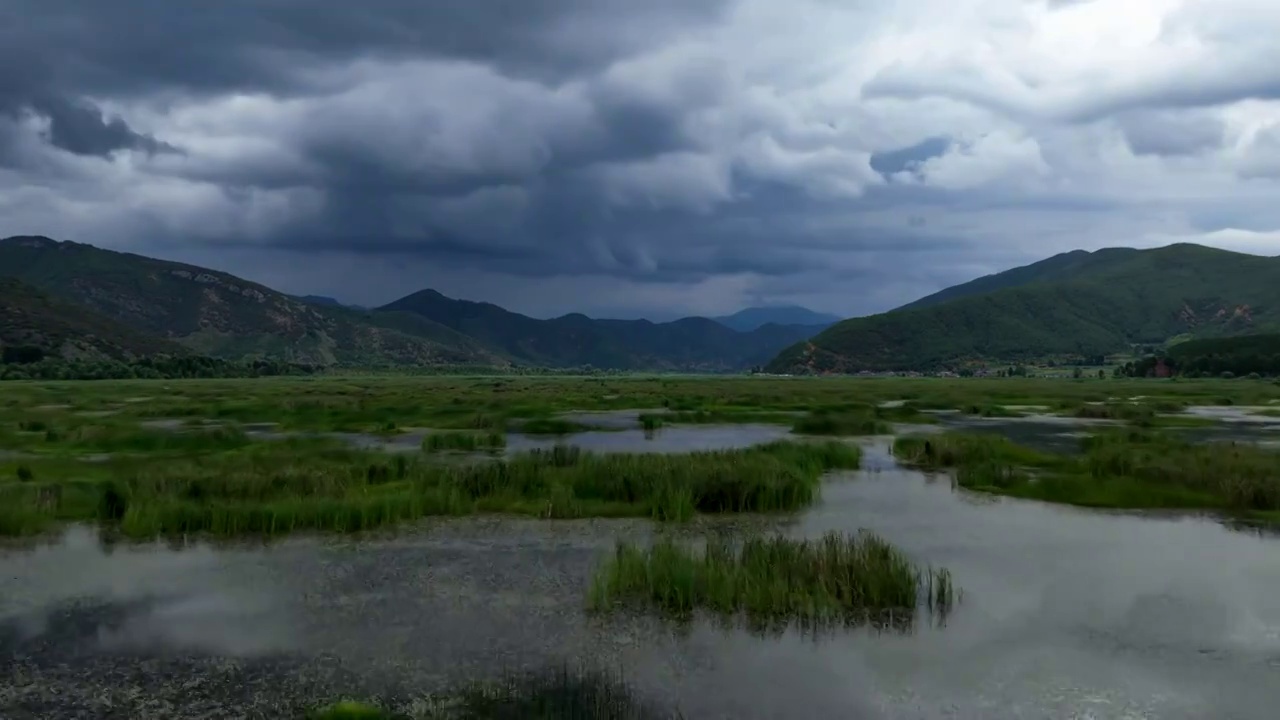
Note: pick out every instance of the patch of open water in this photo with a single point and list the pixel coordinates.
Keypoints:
(1056, 433)
(670, 439)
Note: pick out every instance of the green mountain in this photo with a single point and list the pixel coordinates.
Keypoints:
(576, 340)
(1070, 305)
(213, 313)
(31, 321)
(752, 318)
(1059, 267)
(218, 314)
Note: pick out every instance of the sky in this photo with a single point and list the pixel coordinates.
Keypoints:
(629, 159)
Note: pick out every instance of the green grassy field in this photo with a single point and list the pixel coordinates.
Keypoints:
(1124, 468)
(171, 457)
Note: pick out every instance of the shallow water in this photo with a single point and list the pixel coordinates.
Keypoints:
(670, 439)
(610, 419)
(1067, 613)
(1054, 433)
(1234, 413)
(620, 433)
(1050, 433)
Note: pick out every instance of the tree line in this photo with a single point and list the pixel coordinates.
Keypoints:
(20, 363)
(1240, 356)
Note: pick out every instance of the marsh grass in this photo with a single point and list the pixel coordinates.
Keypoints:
(908, 412)
(236, 483)
(318, 485)
(860, 421)
(1140, 414)
(736, 416)
(366, 402)
(1124, 468)
(562, 694)
(988, 410)
(771, 581)
(1155, 413)
(463, 441)
(552, 426)
(122, 437)
(947, 450)
(350, 710)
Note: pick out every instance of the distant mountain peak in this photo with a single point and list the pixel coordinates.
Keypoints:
(576, 340)
(753, 318)
(31, 241)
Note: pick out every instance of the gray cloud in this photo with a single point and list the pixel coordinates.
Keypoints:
(910, 158)
(603, 155)
(1166, 133)
(80, 128)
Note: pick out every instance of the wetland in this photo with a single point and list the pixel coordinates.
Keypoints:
(640, 547)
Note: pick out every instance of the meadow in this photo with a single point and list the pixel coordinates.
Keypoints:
(270, 456)
(1121, 468)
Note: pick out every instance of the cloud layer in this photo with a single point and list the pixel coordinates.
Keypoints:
(625, 158)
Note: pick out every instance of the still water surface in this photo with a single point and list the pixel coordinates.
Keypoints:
(1066, 614)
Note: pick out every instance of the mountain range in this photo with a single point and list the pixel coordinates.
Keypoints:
(30, 318)
(1077, 304)
(213, 313)
(751, 318)
(74, 300)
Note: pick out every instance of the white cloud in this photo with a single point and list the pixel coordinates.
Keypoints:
(1247, 241)
(998, 157)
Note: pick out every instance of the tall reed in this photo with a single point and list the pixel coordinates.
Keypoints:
(294, 485)
(850, 578)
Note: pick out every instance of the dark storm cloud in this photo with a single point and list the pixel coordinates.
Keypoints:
(134, 46)
(79, 127)
(657, 146)
(419, 180)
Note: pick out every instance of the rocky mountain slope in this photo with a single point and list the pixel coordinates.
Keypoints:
(218, 314)
(41, 326)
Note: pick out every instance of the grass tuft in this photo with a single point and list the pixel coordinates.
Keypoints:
(837, 422)
(838, 578)
(350, 710)
(463, 441)
(562, 694)
(988, 410)
(552, 426)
